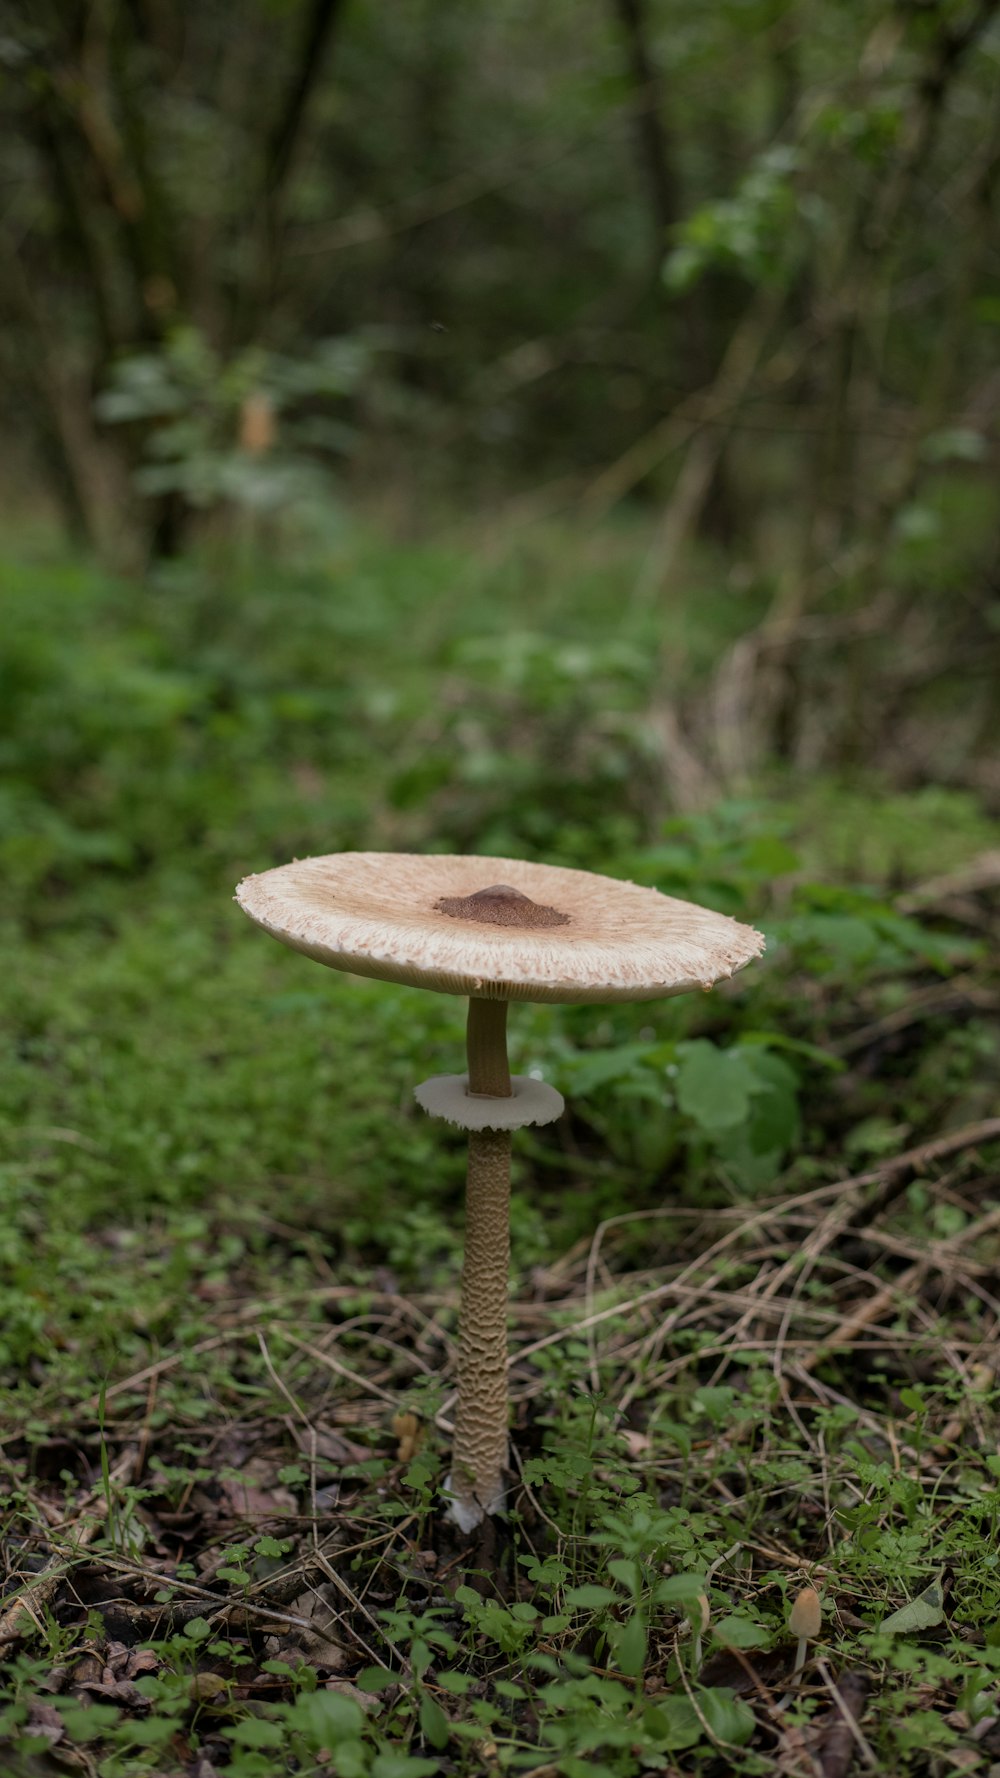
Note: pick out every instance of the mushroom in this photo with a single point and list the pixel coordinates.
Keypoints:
(805, 1620)
(496, 930)
(700, 1616)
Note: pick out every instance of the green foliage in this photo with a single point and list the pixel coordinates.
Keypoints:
(155, 748)
(199, 1132)
(754, 232)
(198, 418)
(438, 253)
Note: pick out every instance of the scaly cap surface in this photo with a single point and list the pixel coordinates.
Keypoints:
(497, 928)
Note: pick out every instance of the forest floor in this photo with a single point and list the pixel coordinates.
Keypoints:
(755, 1299)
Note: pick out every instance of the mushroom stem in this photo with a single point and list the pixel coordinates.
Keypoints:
(805, 1620)
(486, 1047)
(479, 1457)
(480, 1453)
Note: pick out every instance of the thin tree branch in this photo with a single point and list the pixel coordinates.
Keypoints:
(654, 150)
(280, 153)
(287, 129)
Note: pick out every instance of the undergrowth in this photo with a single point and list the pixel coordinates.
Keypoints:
(753, 1305)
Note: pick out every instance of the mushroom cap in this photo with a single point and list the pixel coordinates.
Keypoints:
(806, 1616)
(496, 928)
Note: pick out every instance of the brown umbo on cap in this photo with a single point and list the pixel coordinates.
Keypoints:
(496, 928)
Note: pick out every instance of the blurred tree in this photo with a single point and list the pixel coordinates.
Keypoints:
(476, 196)
(135, 115)
(651, 131)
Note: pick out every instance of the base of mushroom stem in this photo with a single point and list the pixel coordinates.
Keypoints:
(467, 1514)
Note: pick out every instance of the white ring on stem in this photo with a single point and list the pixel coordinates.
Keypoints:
(531, 1102)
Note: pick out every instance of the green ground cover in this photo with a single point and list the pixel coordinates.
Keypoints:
(210, 1155)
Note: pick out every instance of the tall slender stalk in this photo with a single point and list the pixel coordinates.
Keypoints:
(481, 1441)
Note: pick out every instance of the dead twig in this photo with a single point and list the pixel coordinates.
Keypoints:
(980, 873)
(333, 1364)
(840, 1738)
(956, 996)
(23, 1615)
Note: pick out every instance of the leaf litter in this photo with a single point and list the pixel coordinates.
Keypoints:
(285, 1545)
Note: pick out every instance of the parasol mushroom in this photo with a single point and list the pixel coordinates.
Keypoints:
(496, 930)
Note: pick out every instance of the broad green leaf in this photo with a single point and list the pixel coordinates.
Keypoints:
(716, 1401)
(256, 1731)
(598, 1068)
(590, 1598)
(630, 1646)
(714, 1087)
(272, 1546)
(680, 1589)
(456, 1683)
(375, 1679)
(433, 1723)
(672, 1724)
(768, 856)
(795, 1046)
(624, 1569)
(739, 1632)
(402, 1765)
(727, 1716)
(155, 1731)
(571, 1767)
(922, 1613)
(323, 1715)
(86, 1723)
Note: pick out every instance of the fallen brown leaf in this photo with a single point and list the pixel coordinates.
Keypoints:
(114, 1691)
(836, 1744)
(318, 1644)
(88, 1670)
(141, 1660)
(255, 1494)
(367, 1701)
(333, 1447)
(636, 1443)
(44, 1721)
(206, 1685)
(759, 1669)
